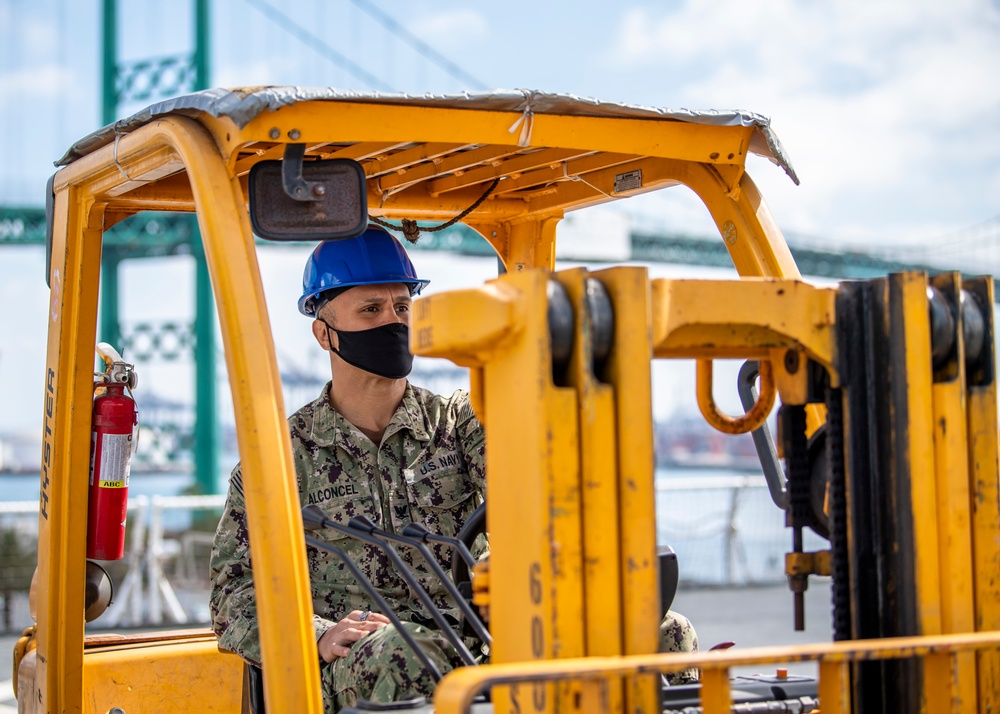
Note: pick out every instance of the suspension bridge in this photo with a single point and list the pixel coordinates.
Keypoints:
(127, 84)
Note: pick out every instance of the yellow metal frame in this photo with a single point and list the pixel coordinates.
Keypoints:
(584, 459)
(628, 371)
(459, 687)
(985, 491)
(62, 530)
(593, 543)
(432, 163)
(745, 318)
(921, 452)
(532, 458)
(82, 190)
(169, 673)
(957, 577)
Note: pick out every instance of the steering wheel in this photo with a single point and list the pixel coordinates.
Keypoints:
(473, 528)
(461, 574)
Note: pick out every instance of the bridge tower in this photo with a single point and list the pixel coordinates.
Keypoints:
(146, 81)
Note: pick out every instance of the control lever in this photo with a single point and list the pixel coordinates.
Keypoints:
(313, 519)
(417, 530)
(363, 522)
(361, 533)
(777, 484)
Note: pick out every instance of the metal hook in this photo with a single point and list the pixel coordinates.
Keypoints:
(723, 422)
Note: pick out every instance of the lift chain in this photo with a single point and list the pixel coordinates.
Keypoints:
(796, 447)
(838, 515)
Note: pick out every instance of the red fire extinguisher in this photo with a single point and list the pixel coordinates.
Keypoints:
(113, 423)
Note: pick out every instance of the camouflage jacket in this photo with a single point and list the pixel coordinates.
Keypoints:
(429, 469)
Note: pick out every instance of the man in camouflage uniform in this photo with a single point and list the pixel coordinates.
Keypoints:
(372, 444)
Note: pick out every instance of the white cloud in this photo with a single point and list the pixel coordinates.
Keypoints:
(50, 81)
(450, 32)
(876, 102)
(30, 35)
(37, 68)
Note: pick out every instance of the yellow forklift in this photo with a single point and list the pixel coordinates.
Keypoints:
(887, 425)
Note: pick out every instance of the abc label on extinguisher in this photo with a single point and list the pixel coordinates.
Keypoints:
(116, 453)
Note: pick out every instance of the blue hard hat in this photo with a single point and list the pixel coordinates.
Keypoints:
(375, 257)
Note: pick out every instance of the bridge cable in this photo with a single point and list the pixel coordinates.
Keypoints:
(316, 43)
(416, 43)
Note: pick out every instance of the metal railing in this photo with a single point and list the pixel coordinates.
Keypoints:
(147, 594)
(151, 592)
(724, 529)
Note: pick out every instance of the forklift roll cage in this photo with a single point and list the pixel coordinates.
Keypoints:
(430, 158)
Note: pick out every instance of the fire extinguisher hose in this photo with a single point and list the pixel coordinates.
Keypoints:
(108, 353)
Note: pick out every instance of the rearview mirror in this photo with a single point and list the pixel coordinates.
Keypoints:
(293, 200)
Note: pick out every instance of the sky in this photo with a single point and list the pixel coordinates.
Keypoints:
(888, 110)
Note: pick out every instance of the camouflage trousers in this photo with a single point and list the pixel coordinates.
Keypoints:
(381, 667)
(677, 635)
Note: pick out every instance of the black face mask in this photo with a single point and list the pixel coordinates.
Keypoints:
(383, 350)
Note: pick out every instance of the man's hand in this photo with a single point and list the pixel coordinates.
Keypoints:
(336, 642)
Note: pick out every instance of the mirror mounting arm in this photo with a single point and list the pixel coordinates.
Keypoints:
(295, 185)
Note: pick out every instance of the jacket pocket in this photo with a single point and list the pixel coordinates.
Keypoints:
(443, 503)
(441, 491)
